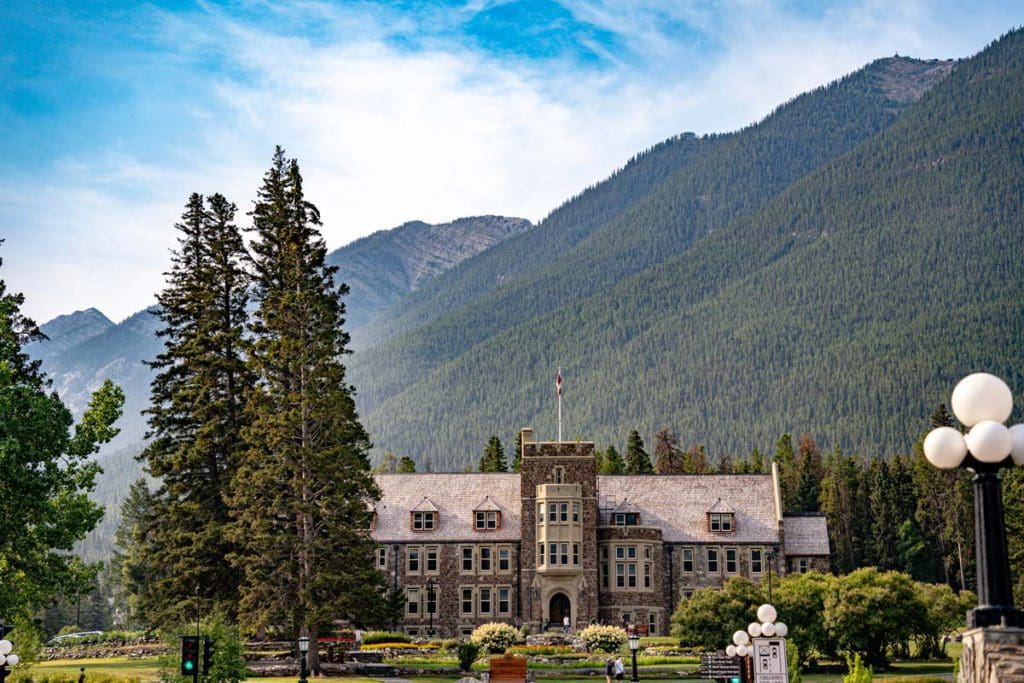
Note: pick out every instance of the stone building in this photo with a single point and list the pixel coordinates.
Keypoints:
(560, 540)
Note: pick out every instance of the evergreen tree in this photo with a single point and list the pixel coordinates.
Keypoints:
(131, 566)
(695, 460)
(196, 415)
(612, 462)
(302, 497)
(940, 417)
(46, 471)
(789, 475)
(493, 459)
(808, 487)
(388, 464)
(637, 459)
(406, 465)
(839, 502)
(668, 459)
(756, 465)
(517, 457)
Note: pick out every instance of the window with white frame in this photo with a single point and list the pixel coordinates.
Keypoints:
(721, 521)
(487, 520)
(731, 563)
(756, 561)
(712, 560)
(687, 557)
(424, 521)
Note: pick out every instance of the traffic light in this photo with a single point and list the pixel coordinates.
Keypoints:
(207, 655)
(189, 655)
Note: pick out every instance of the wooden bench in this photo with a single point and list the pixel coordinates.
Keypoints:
(508, 669)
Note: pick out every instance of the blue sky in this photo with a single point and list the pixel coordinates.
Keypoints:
(111, 113)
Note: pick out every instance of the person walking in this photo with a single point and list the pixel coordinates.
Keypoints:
(81, 675)
(609, 670)
(565, 624)
(620, 670)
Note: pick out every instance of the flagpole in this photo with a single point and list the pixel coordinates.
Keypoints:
(559, 405)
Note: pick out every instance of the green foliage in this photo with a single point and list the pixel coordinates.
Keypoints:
(493, 459)
(46, 471)
(196, 419)
(858, 672)
(467, 654)
(406, 465)
(372, 637)
(793, 666)
(708, 618)
(800, 600)
(301, 496)
(869, 611)
(612, 462)
(229, 650)
(601, 638)
(494, 638)
(637, 459)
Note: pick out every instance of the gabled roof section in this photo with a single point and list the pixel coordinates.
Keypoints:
(454, 497)
(720, 506)
(425, 505)
(487, 504)
(806, 534)
(679, 504)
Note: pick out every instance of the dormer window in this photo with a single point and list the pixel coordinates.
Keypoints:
(487, 520)
(721, 521)
(627, 519)
(424, 521)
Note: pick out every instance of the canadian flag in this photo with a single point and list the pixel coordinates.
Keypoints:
(558, 382)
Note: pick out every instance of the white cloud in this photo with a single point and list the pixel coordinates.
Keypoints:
(385, 135)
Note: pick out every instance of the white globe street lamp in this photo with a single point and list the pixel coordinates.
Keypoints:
(983, 402)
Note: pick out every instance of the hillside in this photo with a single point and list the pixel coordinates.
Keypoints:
(382, 268)
(528, 326)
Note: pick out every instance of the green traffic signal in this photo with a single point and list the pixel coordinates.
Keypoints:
(190, 665)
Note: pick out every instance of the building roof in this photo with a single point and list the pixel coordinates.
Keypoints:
(805, 534)
(456, 497)
(679, 504)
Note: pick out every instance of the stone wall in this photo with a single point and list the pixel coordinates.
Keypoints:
(992, 655)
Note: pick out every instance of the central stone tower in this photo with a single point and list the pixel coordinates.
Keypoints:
(559, 532)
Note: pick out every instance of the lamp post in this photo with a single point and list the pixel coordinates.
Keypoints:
(983, 402)
(766, 625)
(634, 645)
(769, 556)
(303, 650)
(431, 606)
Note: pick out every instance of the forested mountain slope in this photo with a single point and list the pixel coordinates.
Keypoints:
(847, 305)
(659, 203)
(382, 268)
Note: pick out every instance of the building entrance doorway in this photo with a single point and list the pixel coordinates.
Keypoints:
(558, 609)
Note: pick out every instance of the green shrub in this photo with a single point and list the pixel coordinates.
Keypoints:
(448, 644)
(603, 638)
(467, 654)
(538, 649)
(398, 646)
(859, 673)
(371, 637)
(495, 637)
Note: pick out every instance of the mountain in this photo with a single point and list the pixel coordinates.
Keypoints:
(382, 268)
(85, 348)
(568, 308)
(69, 330)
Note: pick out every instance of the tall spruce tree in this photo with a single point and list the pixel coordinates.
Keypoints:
(196, 416)
(302, 496)
(612, 462)
(637, 459)
(517, 457)
(493, 459)
(789, 474)
(668, 459)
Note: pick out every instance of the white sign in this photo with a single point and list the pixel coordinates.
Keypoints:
(770, 660)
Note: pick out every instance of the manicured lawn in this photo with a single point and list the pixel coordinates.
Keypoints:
(147, 669)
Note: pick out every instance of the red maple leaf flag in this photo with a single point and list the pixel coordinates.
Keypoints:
(558, 382)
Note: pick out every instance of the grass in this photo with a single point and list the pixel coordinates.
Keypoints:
(145, 668)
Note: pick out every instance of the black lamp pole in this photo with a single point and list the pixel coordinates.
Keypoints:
(431, 606)
(634, 645)
(995, 589)
(770, 557)
(303, 649)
